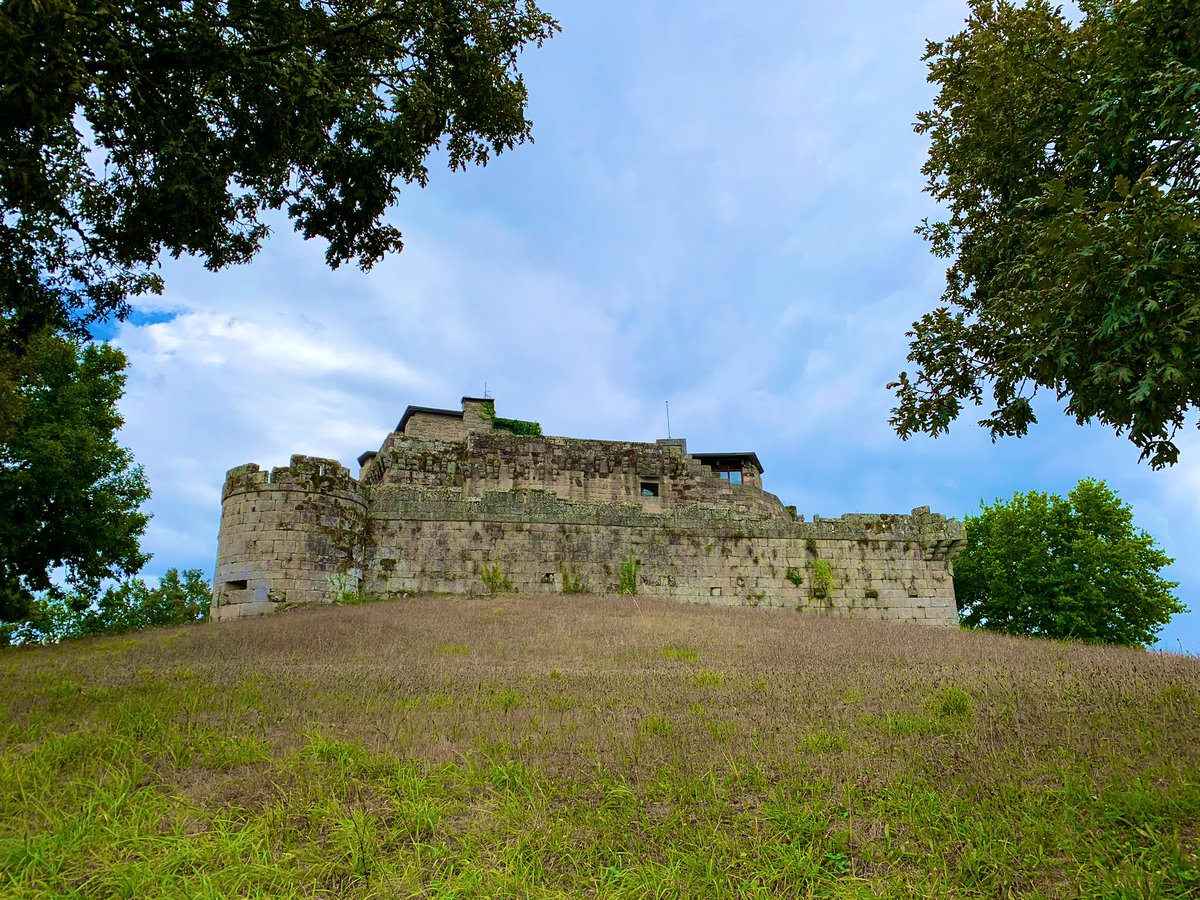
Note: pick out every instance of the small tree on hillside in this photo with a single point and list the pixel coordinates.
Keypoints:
(1074, 568)
(131, 605)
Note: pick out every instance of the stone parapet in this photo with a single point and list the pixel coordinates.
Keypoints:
(311, 474)
(432, 505)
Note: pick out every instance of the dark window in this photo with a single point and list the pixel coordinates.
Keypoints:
(649, 488)
(236, 585)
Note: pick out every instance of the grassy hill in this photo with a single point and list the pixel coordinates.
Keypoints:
(584, 745)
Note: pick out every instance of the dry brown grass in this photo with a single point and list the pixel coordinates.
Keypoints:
(593, 667)
(903, 759)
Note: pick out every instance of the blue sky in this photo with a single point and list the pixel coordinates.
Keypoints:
(718, 211)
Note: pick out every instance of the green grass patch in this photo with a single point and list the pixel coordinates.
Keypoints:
(706, 678)
(679, 653)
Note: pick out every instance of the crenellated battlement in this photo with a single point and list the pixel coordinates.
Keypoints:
(312, 474)
(453, 500)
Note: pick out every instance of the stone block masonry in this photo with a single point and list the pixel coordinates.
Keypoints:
(451, 504)
(296, 534)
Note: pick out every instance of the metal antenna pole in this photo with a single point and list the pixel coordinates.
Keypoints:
(668, 419)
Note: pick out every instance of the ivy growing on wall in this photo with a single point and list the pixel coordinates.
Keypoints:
(517, 426)
(512, 426)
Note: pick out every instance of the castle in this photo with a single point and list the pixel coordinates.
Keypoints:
(461, 501)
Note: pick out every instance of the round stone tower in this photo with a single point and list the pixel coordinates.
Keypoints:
(294, 535)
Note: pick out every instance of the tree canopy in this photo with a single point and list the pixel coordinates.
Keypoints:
(1067, 156)
(71, 495)
(1074, 568)
(131, 605)
(137, 128)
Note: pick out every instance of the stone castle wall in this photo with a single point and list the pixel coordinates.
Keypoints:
(883, 567)
(449, 505)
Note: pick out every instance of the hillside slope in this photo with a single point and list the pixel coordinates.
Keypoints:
(583, 745)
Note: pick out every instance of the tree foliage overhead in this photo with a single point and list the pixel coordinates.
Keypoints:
(1074, 568)
(70, 494)
(1067, 156)
(136, 128)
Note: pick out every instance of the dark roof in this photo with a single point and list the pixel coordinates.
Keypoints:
(457, 413)
(716, 459)
(363, 457)
(479, 399)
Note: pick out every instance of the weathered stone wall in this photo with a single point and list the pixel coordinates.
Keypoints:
(435, 427)
(584, 471)
(884, 567)
(296, 534)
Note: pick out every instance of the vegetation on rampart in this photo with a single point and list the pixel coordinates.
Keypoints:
(822, 578)
(628, 577)
(544, 747)
(495, 580)
(572, 582)
(517, 426)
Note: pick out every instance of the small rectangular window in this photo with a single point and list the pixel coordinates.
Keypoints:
(649, 488)
(236, 585)
(735, 477)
